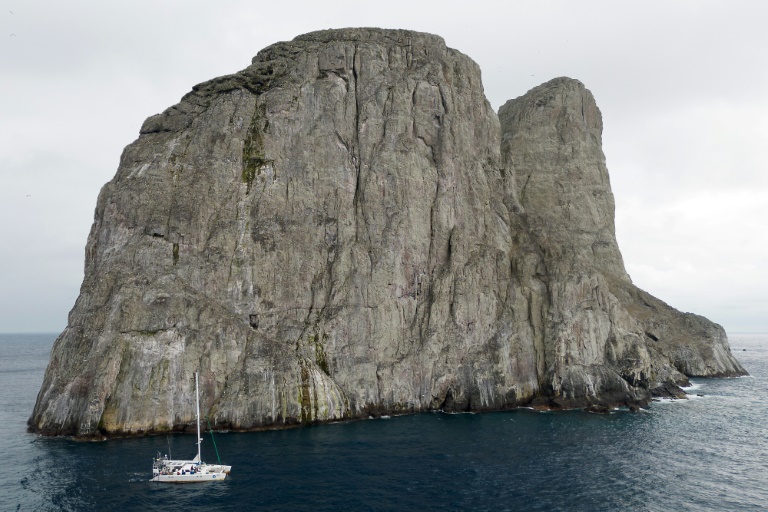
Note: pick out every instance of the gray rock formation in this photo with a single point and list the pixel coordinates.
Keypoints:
(346, 228)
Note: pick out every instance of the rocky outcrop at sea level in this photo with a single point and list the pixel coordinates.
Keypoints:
(347, 228)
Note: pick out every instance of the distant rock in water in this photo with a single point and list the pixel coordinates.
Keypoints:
(345, 228)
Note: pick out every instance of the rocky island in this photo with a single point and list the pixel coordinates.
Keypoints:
(346, 228)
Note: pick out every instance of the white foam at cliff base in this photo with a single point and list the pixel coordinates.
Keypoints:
(667, 400)
(693, 387)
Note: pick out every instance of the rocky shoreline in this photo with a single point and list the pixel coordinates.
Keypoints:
(346, 226)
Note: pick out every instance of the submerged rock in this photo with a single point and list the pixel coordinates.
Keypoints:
(346, 229)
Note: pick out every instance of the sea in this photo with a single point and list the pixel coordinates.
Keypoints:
(709, 452)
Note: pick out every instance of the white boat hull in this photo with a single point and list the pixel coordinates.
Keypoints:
(183, 471)
(189, 479)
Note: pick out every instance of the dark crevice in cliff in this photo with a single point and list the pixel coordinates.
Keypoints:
(357, 150)
(444, 102)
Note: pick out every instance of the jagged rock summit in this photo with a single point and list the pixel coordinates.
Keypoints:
(346, 228)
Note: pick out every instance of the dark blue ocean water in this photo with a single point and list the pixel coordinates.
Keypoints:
(706, 453)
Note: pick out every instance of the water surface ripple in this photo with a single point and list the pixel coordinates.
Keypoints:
(706, 453)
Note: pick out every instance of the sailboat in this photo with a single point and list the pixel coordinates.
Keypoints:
(171, 471)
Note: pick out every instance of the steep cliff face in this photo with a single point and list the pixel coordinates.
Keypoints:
(345, 228)
(598, 320)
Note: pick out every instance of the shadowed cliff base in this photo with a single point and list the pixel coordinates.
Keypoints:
(346, 228)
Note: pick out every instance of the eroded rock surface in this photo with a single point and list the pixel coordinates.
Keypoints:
(345, 228)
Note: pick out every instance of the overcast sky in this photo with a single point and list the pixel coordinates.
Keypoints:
(682, 86)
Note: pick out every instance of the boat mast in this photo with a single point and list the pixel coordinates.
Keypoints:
(199, 439)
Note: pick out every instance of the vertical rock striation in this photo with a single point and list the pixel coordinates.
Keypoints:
(603, 331)
(346, 228)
